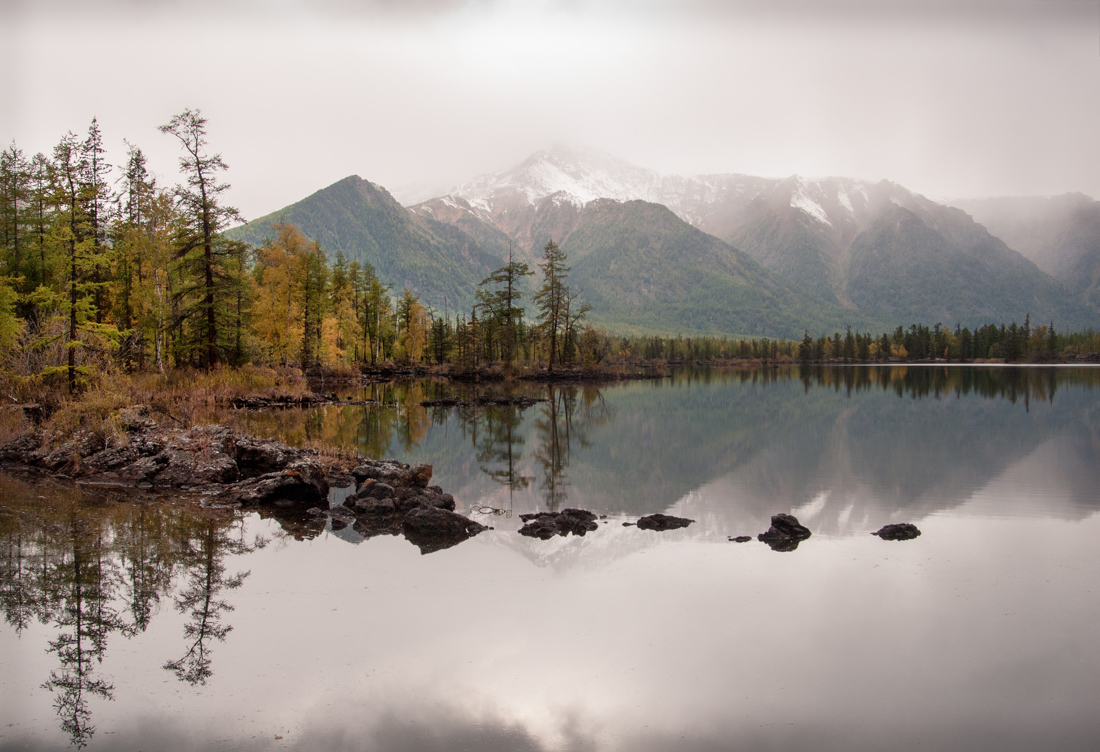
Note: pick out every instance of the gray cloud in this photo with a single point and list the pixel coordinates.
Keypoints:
(964, 98)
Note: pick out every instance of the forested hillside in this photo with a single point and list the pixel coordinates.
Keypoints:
(442, 263)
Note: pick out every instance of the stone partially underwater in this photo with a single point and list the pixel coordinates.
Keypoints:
(393, 498)
(898, 531)
(785, 533)
(545, 525)
(662, 522)
(230, 469)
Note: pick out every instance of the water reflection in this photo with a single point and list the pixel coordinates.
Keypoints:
(855, 446)
(499, 445)
(90, 568)
(203, 557)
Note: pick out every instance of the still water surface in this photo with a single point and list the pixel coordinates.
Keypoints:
(161, 626)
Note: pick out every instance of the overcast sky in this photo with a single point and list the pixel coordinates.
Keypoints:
(952, 98)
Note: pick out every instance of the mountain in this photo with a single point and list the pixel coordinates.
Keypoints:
(440, 261)
(638, 264)
(887, 255)
(1061, 234)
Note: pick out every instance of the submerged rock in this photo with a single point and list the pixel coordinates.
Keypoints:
(661, 522)
(545, 525)
(785, 533)
(898, 531)
(741, 539)
(433, 529)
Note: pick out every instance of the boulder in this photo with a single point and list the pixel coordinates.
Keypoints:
(256, 456)
(394, 473)
(302, 482)
(20, 448)
(662, 522)
(899, 531)
(374, 506)
(375, 489)
(545, 525)
(785, 533)
(433, 529)
(68, 456)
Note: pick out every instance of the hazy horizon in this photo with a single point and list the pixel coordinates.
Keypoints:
(962, 99)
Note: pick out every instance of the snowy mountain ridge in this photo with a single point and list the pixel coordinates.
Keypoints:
(567, 175)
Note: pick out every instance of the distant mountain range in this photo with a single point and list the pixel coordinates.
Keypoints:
(730, 254)
(1061, 234)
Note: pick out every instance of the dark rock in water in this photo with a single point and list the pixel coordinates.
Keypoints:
(373, 526)
(255, 456)
(302, 482)
(433, 529)
(375, 489)
(899, 531)
(785, 533)
(661, 522)
(545, 525)
(293, 519)
(230, 468)
(374, 506)
(741, 539)
(393, 473)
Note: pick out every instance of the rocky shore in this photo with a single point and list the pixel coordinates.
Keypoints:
(223, 467)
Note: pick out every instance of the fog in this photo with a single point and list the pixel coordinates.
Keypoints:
(951, 99)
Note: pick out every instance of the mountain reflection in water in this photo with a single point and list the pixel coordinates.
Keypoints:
(974, 636)
(852, 446)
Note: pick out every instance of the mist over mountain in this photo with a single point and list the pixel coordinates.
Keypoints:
(1061, 234)
(878, 250)
(711, 254)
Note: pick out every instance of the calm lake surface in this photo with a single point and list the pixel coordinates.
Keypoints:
(146, 625)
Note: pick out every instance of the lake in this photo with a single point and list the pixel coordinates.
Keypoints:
(139, 624)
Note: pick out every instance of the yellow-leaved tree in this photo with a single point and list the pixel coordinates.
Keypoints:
(277, 307)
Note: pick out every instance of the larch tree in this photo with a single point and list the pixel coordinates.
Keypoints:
(501, 303)
(72, 230)
(313, 274)
(199, 251)
(553, 298)
(97, 199)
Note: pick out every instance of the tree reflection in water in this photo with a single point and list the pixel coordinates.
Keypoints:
(89, 566)
(203, 556)
(500, 447)
(564, 420)
(81, 580)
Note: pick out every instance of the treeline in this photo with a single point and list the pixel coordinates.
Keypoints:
(1009, 344)
(102, 268)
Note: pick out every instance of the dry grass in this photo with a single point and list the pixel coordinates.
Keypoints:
(180, 396)
(13, 423)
